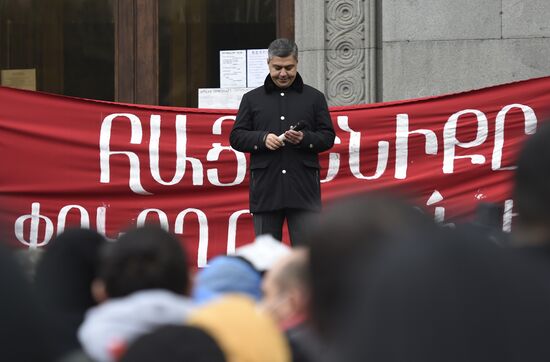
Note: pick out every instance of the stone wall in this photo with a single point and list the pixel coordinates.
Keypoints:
(362, 51)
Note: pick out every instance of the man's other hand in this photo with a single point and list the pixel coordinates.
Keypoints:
(294, 137)
(273, 142)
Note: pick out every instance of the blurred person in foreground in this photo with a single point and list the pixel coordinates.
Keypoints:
(239, 273)
(532, 195)
(175, 344)
(287, 299)
(25, 334)
(226, 274)
(242, 330)
(143, 283)
(63, 281)
(447, 295)
(349, 230)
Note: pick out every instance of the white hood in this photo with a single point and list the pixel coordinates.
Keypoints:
(118, 322)
(263, 252)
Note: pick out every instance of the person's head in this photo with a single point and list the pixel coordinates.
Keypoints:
(263, 252)
(225, 275)
(26, 333)
(67, 268)
(531, 191)
(243, 332)
(175, 343)
(447, 294)
(286, 288)
(142, 258)
(63, 280)
(349, 228)
(282, 59)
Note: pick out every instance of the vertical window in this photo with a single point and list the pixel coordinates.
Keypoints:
(69, 44)
(191, 34)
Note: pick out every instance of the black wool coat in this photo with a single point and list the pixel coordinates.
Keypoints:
(289, 176)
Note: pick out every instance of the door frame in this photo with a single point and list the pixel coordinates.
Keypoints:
(137, 48)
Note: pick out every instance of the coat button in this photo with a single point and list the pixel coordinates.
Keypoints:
(282, 118)
(311, 145)
(282, 94)
(283, 172)
(255, 147)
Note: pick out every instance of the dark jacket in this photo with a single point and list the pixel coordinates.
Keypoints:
(289, 176)
(304, 345)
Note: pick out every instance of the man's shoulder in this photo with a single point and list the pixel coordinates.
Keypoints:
(313, 91)
(260, 92)
(255, 92)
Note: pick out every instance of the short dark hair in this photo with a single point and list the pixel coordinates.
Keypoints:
(175, 343)
(144, 258)
(531, 191)
(66, 271)
(282, 47)
(422, 283)
(354, 227)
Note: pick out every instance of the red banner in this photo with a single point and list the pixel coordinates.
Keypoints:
(108, 166)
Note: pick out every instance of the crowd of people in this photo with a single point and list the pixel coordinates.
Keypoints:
(376, 280)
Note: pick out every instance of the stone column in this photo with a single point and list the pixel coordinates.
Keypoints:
(309, 33)
(338, 48)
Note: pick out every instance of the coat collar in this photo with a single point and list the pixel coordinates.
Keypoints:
(297, 85)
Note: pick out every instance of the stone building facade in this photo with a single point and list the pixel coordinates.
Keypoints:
(364, 51)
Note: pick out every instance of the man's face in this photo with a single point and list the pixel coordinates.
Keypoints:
(283, 70)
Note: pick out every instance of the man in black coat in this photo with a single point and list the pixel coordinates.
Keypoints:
(284, 170)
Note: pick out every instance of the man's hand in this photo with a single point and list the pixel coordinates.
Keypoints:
(294, 137)
(273, 142)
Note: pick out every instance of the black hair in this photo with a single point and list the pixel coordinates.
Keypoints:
(144, 258)
(447, 294)
(67, 269)
(64, 277)
(26, 332)
(531, 191)
(175, 343)
(352, 228)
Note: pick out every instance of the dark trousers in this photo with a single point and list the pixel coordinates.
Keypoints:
(272, 223)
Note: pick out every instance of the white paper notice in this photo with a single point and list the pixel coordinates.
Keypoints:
(232, 68)
(19, 78)
(256, 66)
(221, 98)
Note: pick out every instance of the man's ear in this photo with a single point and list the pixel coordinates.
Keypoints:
(99, 291)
